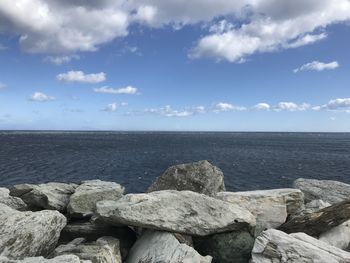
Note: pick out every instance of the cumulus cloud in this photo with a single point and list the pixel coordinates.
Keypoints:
(336, 105)
(41, 97)
(262, 106)
(168, 111)
(60, 60)
(291, 106)
(317, 66)
(223, 106)
(80, 76)
(127, 90)
(112, 107)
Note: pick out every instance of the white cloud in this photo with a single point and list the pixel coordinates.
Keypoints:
(317, 66)
(112, 107)
(127, 90)
(291, 106)
(124, 104)
(60, 60)
(80, 76)
(223, 106)
(2, 86)
(337, 105)
(168, 111)
(262, 106)
(41, 97)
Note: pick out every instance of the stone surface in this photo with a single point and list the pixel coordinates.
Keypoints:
(200, 177)
(176, 211)
(320, 221)
(11, 201)
(60, 259)
(83, 202)
(330, 191)
(274, 246)
(28, 234)
(226, 247)
(338, 236)
(311, 207)
(104, 250)
(156, 247)
(53, 196)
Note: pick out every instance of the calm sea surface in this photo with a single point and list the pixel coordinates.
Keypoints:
(133, 159)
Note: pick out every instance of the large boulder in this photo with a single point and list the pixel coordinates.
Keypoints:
(156, 246)
(53, 196)
(311, 207)
(60, 259)
(271, 207)
(11, 201)
(176, 211)
(104, 250)
(29, 234)
(200, 177)
(338, 236)
(330, 191)
(83, 202)
(274, 246)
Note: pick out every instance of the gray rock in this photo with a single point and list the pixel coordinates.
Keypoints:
(53, 196)
(311, 207)
(330, 191)
(28, 234)
(226, 247)
(104, 250)
(176, 211)
(338, 236)
(200, 177)
(60, 259)
(83, 202)
(274, 246)
(13, 202)
(156, 247)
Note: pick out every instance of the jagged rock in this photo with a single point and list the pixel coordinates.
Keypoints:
(311, 207)
(271, 207)
(156, 247)
(338, 236)
(320, 221)
(53, 196)
(274, 246)
(83, 202)
(226, 247)
(176, 211)
(330, 191)
(13, 202)
(200, 177)
(104, 250)
(28, 234)
(60, 259)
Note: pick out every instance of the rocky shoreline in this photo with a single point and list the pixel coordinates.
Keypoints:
(185, 216)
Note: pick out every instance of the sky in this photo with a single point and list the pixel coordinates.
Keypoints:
(199, 65)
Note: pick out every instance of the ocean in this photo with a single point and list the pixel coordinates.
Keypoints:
(249, 161)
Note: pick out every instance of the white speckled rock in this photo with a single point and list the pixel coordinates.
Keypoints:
(274, 246)
(156, 246)
(13, 202)
(338, 236)
(29, 234)
(83, 202)
(176, 211)
(60, 259)
(53, 196)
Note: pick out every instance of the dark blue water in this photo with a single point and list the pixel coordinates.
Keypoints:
(248, 160)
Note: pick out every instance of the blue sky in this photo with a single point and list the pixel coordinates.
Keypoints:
(152, 65)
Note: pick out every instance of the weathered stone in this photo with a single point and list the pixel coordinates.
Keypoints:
(13, 202)
(53, 196)
(104, 250)
(176, 211)
(28, 234)
(200, 177)
(60, 259)
(320, 221)
(83, 202)
(330, 191)
(311, 207)
(156, 247)
(226, 247)
(338, 236)
(274, 246)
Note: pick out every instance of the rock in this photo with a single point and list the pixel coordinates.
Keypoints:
(60, 259)
(83, 202)
(226, 247)
(275, 246)
(104, 250)
(311, 207)
(176, 211)
(338, 236)
(28, 234)
(156, 247)
(200, 177)
(271, 207)
(330, 191)
(53, 196)
(320, 221)
(13, 202)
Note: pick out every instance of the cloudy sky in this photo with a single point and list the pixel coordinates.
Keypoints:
(243, 65)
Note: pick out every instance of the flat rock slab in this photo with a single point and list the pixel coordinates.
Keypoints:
(53, 196)
(156, 246)
(183, 212)
(201, 177)
(60, 259)
(11, 201)
(83, 202)
(29, 234)
(330, 191)
(274, 246)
